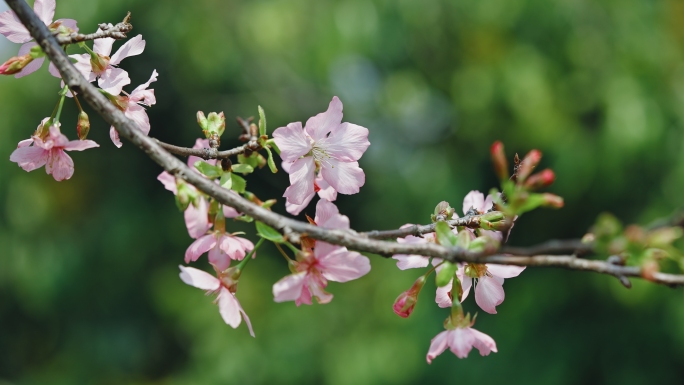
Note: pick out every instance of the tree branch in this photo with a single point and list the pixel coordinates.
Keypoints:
(470, 221)
(117, 31)
(209, 153)
(290, 227)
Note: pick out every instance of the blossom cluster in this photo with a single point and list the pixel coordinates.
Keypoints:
(95, 64)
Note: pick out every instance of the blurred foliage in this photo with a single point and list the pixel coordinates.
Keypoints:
(89, 288)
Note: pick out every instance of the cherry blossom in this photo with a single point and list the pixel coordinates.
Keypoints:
(222, 248)
(133, 106)
(229, 306)
(98, 64)
(14, 31)
(413, 261)
(476, 200)
(325, 147)
(49, 152)
(313, 269)
(461, 341)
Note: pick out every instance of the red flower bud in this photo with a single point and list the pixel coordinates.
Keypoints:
(83, 125)
(404, 304)
(528, 164)
(541, 179)
(553, 200)
(15, 64)
(499, 160)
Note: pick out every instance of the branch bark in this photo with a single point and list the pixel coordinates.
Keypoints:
(290, 227)
(117, 31)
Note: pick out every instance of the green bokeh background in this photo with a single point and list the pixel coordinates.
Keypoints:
(89, 287)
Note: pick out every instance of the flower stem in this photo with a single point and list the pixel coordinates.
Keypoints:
(78, 103)
(291, 246)
(62, 94)
(248, 257)
(289, 260)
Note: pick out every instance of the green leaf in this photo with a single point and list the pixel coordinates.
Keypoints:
(444, 235)
(251, 160)
(226, 180)
(271, 163)
(262, 121)
(239, 183)
(532, 202)
(242, 168)
(267, 232)
(244, 218)
(446, 274)
(208, 170)
(273, 145)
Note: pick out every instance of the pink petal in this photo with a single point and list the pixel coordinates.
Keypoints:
(437, 346)
(442, 295)
(32, 66)
(196, 218)
(80, 145)
(45, 9)
(30, 158)
(83, 65)
(484, 343)
(320, 125)
(113, 80)
(229, 308)
(324, 211)
(347, 142)
(234, 247)
(199, 247)
(345, 177)
(169, 182)
(60, 165)
(461, 341)
(342, 265)
(305, 297)
(504, 271)
(103, 46)
(248, 322)
(11, 27)
(411, 261)
(488, 203)
(230, 212)
(326, 191)
(142, 93)
(218, 258)
(114, 135)
(68, 23)
(138, 115)
(133, 47)
(489, 293)
(295, 209)
(301, 179)
(316, 289)
(289, 288)
(474, 199)
(292, 142)
(54, 71)
(199, 279)
(26, 142)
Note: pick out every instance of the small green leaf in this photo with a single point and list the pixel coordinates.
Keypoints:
(239, 183)
(267, 232)
(244, 218)
(262, 121)
(271, 163)
(243, 168)
(532, 202)
(444, 235)
(446, 274)
(208, 170)
(250, 160)
(226, 180)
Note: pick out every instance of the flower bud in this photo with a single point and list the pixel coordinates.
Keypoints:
(83, 125)
(443, 212)
(202, 120)
(216, 123)
(541, 179)
(15, 64)
(499, 160)
(528, 164)
(98, 62)
(404, 304)
(553, 200)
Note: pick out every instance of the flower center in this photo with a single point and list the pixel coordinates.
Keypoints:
(320, 155)
(475, 270)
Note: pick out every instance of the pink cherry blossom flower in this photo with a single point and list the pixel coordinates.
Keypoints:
(324, 190)
(477, 201)
(414, 261)
(14, 31)
(489, 279)
(222, 248)
(229, 307)
(49, 152)
(109, 78)
(325, 147)
(461, 341)
(133, 106)
(326, 262)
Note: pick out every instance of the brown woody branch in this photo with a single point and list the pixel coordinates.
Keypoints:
(209, 153)
(117, 31)
(290, 227)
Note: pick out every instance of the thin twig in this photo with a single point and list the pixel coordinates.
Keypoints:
(208, 153)
(288, 226)
(117, 31)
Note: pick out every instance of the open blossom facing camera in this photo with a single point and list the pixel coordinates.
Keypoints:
(133, 106)
(325, 147)
(229, 307)
(14, 31)
(49, 152)
(313, 270)
(98, 65)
